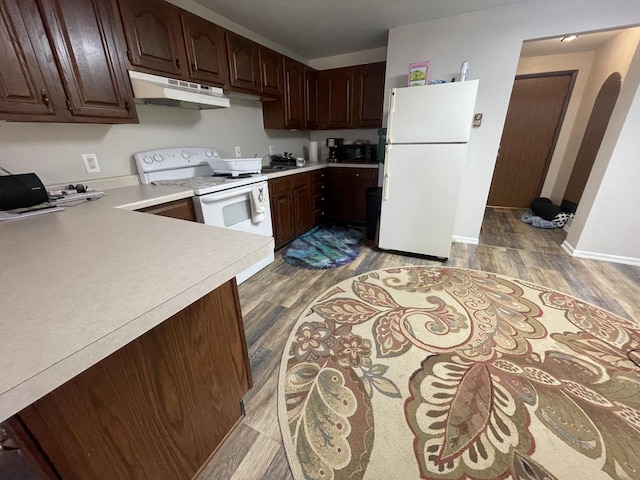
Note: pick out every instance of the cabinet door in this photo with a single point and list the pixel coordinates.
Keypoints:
(336, 98)
(302, 203)
(179, 209)
(282, 218)
(369, 95)
(206, 50)
(294, 94)
(92, 69)
(244, 63)
(29, 82)
(271, 72)
(154, 38)
(312, 113)
(158, 407)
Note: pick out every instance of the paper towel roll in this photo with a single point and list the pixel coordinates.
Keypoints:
(313, 151)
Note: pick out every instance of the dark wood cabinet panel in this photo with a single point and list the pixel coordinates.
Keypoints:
(294, 94)
(319, 196)
(369, 95)
(271, 72)
(282, 218)
(244, 63)
(347, 196)
(158, 407)
(292, 208)
(302, 203)
(91, 66)
(154, 37)
(336, 98)
(206, 50)
(311, 99)
(180, 209)
(24, 88)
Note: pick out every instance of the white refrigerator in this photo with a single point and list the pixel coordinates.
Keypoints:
(427, 133)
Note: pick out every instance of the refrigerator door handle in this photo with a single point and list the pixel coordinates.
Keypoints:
(392, 107)
(387, 174)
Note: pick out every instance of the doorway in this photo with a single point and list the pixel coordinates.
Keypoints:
(536, 111)
(596, 128)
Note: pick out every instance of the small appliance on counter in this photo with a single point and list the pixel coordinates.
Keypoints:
(334, 144)
(286, 159)
(356, 153)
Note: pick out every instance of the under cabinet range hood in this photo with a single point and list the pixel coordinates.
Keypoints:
(158, 90)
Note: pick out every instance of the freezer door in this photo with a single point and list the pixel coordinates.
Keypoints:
(420, 197)
(432, 114)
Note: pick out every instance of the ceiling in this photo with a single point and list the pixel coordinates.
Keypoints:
(323, 28)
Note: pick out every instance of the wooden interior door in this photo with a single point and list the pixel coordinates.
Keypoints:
(597, 126)
(536, 111)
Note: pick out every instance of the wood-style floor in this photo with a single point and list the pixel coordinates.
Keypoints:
(273, 300)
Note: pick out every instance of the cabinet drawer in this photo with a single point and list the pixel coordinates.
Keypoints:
(365, 175)
(319, 188)
(319, 176)
(320, 201)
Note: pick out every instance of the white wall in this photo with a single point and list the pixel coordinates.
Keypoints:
(607, 224)
(491, 41)
(54, 151)
(568, 142)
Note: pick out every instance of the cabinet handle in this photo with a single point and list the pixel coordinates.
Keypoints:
(44, 96)
(357, 174)
(194, 67)
(127, 106)
(177, 63)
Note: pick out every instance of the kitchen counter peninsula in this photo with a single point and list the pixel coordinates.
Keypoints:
(122, 338)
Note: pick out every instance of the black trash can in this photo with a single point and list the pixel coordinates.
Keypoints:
(374, 203)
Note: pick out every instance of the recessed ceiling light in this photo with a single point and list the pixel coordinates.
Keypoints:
(569, 38)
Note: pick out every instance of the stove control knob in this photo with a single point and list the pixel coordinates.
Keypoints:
(147, 159)
(209, 153)
(185, 154)
(158, 158)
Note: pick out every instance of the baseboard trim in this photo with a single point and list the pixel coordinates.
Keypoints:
(603, 257)
(470, 240)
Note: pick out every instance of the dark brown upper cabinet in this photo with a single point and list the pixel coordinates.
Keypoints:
(352, 97)
(294, 114)
(336, 98)
(64, 63)
(312, 113)
(154, 37)
(28, 73)
(87, 53)
(289, 111)
(271, 72)
(244, 63)
(368, 95)
(206, 50)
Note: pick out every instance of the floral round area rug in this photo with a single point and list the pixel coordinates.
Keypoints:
(443, 373)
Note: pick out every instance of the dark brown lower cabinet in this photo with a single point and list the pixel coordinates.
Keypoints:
(180, 209)
(158, 407)
(347, 198)
(291, 206)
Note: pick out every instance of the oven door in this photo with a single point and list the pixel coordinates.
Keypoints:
(232, 209)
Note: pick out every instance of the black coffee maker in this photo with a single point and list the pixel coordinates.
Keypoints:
(333, 144)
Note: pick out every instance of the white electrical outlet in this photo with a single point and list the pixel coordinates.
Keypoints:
(91, 162)
(271, 150)
(238, 152)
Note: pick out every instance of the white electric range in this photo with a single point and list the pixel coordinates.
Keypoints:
(228, 193)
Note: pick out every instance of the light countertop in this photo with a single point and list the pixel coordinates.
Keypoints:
(79, 284)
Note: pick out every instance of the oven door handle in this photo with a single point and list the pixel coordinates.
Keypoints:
(234, 192)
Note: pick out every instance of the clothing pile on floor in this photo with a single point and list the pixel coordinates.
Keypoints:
(544, 214)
